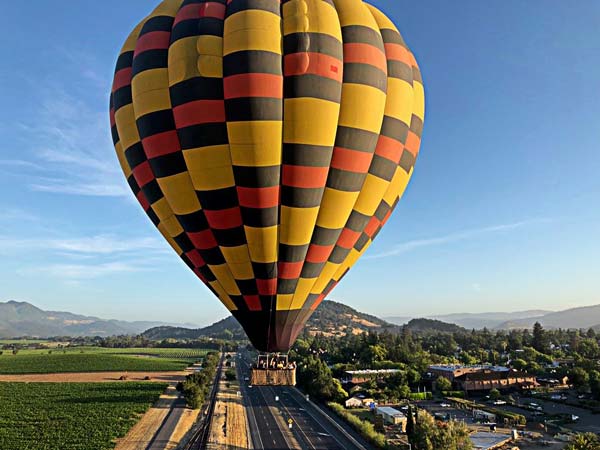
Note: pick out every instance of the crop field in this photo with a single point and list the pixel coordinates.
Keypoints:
(171, 353)
(74, 416)
(82, 362)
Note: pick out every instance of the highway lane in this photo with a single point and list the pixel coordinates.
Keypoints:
(311, 429)
(265, 430)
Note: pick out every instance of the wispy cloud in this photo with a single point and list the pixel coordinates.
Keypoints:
(77, 272)
(66, 147)
(90, 257)
(453, 237)
(17, 215)
(102, 244)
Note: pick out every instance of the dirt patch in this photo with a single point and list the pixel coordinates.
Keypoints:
(141, 434)
(95, 377)
(187, 420)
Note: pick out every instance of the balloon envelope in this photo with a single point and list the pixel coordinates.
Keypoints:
(269, 142)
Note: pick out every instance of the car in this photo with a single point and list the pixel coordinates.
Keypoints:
(445, 405)
(246, 378)
(499, 402)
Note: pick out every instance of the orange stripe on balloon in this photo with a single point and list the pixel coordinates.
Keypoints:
(351, 160)
(253, 85)
(396, 52)
(389, 148)
(365, 54)
(314, 64)
(304, 176)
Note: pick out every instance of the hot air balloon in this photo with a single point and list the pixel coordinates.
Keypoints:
(268, 141)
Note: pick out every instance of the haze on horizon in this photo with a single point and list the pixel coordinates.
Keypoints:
(501, 213)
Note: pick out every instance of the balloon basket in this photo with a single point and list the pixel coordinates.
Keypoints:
(273, 369)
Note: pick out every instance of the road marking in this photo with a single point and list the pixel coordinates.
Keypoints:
(337, 425)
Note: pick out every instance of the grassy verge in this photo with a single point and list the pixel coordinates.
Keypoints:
(365, 428)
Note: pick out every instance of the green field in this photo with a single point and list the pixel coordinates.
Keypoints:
(22, 341)
(177, 353)
(97, 359)
(71, 416)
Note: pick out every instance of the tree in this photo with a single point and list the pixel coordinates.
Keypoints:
(429, 435)
(316, 379)
(410, 425)
(584, 441)
(540, 340)
(194, 395)
(494, 394)
(443, 384)
(595, 383)
(519, 364)
(579, 378)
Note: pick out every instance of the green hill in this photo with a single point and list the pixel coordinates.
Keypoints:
(331, 319)
(432, 326)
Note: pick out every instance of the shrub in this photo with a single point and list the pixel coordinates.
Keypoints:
(366, 429)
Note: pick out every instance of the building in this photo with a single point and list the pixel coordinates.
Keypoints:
(354, 402)
(488, 379)
(452, 371)
(362, 376)
(392, 416)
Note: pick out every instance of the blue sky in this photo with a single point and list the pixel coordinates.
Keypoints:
(501, 214)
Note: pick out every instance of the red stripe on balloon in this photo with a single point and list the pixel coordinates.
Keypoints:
(289, 270)
(253, 302)
(267, 287)
(155, 40)
(143, 174)
(267, 197)
(224, 219)
(203, 240)
(122, 78)
(198, 112)
(161, 144)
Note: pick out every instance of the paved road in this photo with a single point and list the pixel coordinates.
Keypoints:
(266, 432)
(311, 429)
(164, 433)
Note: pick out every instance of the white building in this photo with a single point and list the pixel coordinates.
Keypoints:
(392, 416)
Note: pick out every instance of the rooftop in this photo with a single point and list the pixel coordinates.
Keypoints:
(389, 411)
(483, 440)
(453, 367)
(493, 375)
(372, 371)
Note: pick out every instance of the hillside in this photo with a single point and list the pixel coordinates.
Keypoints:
(331, 319)
(432, 326)
(24, 319)
(583, 317)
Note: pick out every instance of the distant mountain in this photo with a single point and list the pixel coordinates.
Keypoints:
(398, 320)
(330, 319)
(488, 320)
(475, 320)
(583, 317)
(432, 325)
(24, 319)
